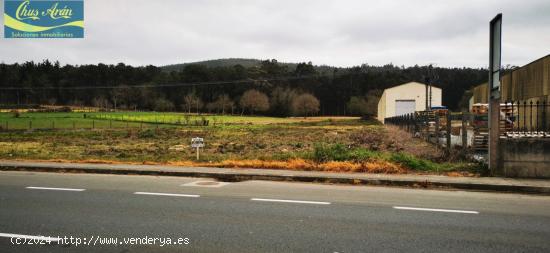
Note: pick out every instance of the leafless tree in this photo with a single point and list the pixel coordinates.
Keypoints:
(191, 101)
(254, 101)
(305, 104)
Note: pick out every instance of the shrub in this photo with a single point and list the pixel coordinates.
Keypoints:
(413, 162)
(324, 153)
(148, 133)
(361, 155)
(340, 153)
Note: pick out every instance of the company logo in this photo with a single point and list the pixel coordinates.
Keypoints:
(43, 19)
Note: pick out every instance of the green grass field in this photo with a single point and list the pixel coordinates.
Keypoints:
(80, 120)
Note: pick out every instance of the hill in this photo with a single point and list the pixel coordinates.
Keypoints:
(229, 62)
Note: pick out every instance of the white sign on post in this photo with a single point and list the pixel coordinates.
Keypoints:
(197, 143)
(495, 49)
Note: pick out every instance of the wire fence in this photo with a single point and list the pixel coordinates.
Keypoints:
(443, 128)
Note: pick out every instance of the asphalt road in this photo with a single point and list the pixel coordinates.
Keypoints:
(259, 216)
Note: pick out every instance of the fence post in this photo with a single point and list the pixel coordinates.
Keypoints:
(30, 124)
(408, 122)
(449, 131)
(544, 124)
(415, 122)
(428, 129)
(437, 130)
(464, 132)
(93, 124)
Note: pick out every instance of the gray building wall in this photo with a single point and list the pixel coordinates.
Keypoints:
(524, 157)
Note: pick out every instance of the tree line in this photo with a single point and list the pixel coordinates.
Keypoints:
(269, 88)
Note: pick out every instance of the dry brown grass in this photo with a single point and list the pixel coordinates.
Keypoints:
(295, 164)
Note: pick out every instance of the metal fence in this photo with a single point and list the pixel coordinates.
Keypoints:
(518, 119)
(525, 119)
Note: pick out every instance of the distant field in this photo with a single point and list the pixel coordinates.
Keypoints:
(80, 120)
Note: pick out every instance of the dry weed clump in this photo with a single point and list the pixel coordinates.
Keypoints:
(334, 166)
(365, 167)
(406, 143)
(392, 139)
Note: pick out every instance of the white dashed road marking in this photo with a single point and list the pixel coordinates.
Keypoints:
(168, 194)
(291, 201)
(54, 189)
(434, 210)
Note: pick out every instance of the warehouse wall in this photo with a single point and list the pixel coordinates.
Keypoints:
(531, 81)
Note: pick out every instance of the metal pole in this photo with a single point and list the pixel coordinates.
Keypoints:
(448, 131)
(494, 132)
(495, 45)
(464, 132)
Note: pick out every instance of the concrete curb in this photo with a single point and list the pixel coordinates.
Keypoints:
(232, 176)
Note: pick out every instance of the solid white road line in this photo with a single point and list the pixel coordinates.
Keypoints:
(291, 201)
(167, 194)
(54, 189)
(434, 210)
(31, 237)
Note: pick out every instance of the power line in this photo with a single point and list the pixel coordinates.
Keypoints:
(173, 84)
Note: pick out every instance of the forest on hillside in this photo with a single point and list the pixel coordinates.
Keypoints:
(221, 87)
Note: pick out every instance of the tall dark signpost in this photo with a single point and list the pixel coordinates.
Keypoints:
(494, 91)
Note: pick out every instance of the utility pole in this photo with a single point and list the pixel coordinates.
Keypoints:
(429, 79)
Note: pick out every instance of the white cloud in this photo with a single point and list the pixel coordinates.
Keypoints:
(342, 33)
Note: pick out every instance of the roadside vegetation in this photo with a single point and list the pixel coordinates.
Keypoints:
(336, 144)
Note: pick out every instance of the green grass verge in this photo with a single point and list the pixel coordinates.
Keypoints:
(339, 152)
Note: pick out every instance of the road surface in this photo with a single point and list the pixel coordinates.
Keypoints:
(118, 213)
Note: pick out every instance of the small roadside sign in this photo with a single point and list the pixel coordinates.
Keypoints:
(197, 143)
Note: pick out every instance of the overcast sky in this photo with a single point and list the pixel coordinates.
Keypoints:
(339, 33)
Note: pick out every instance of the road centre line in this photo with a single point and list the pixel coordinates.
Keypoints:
(31, 237)
(167, 194)
(54, 189)
(434, 210)
(291, 201)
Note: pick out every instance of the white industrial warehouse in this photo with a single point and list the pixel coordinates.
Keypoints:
(406, 98)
